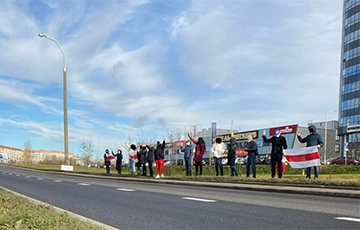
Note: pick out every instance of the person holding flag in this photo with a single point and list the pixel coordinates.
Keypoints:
(278, 143)
(132, 157)
(313, 139)
(107, 162)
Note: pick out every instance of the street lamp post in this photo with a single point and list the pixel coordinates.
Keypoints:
(326, 115)
(66, 145)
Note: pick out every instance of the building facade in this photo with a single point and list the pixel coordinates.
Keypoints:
(331, 140)
(349, 98)
(15, 155)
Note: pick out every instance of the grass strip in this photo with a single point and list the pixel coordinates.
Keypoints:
(17, 212)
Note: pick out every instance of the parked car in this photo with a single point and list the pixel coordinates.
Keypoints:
(262, 160)
(341, 161)
(328, 161)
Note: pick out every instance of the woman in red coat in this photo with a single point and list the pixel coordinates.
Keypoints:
(199, 153)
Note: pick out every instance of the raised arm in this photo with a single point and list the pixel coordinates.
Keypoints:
(193, 140)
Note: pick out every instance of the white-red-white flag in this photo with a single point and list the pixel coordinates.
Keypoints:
(302, 158)
(110, 157)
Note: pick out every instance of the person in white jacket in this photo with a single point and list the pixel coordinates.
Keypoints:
(218, 150)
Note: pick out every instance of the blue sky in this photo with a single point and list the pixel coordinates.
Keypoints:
(138, 69)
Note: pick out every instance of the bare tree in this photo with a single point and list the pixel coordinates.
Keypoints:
(27, 152)
(87, 148)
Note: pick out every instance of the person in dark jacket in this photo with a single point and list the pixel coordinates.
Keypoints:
(199, 153)
(159, 158)
(188, 153)
(150, 159)
(142, 159)
(252, 150)
(119, 158)
(313, 139)
(278, 143)
(138, 164)
(107, 163)
(231, 156)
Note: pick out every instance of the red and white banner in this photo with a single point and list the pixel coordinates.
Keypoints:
(302, 158)
(110, 157)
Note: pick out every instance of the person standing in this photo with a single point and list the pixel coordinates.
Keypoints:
(188, 154)
(132, 157)
(252, 150)
(119, 158)
(231, 156)
(199, 153)
(218, 150)
(150, 159)
(107, 163)
(159, 158)
(142, 159)
(278, 143)
(313, 139)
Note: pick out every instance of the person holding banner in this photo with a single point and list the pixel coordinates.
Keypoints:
(278, 143)
(107, 162)
(313, 139)
(132, 157)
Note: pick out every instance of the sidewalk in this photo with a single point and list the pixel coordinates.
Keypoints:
(282, 188)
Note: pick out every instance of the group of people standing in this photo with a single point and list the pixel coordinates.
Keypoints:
(140, 157)
(145, 155)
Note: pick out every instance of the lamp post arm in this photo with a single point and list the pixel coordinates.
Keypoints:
(62, 51)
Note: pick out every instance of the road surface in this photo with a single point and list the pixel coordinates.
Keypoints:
(140, 205)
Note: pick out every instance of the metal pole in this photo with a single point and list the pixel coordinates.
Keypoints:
(66, 145)
(325, 137)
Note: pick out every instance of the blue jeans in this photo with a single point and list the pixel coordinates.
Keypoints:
(132, 165)
(218, 164)
(188, 166)
(316, 172)
(233, 170)
(251, 161)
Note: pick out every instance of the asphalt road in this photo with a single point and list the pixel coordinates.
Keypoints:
(141, 205)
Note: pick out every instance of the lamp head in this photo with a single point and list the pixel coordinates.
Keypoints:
(42, 35)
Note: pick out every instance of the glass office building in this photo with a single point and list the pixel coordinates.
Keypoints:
(349, 101)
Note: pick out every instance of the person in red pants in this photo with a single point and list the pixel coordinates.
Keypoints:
(159, 158)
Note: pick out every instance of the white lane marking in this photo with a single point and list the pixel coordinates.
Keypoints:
(10, 173)
(57, 181)
(40, 178)
(125, 189)
(27, 177)
(348, 219)
(17, 175)
(198, 199)
(83, 184)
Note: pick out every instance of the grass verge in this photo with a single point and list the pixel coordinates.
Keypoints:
(17, 212)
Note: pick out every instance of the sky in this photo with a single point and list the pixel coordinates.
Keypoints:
(138, 69)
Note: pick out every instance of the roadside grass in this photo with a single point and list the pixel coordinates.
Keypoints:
(17, 212)
(332, 175)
